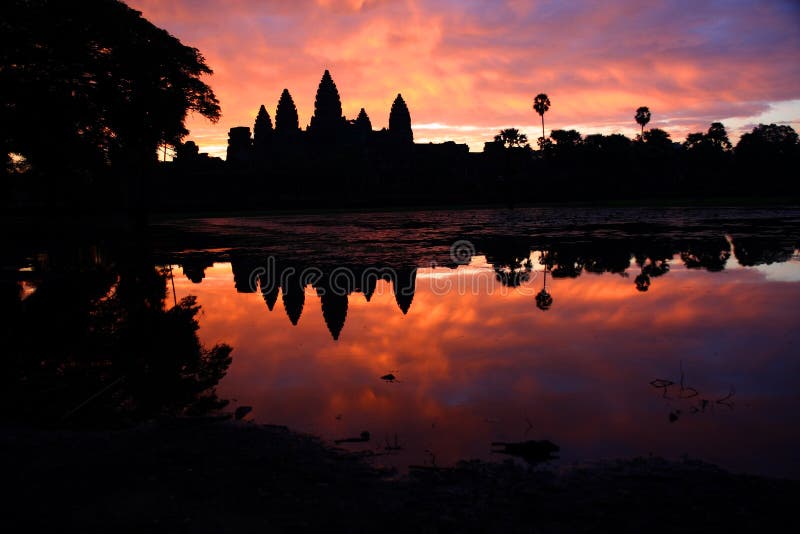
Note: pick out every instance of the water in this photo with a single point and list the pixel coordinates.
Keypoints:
(670, 332)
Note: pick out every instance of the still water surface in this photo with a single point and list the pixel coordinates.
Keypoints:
(669, 332)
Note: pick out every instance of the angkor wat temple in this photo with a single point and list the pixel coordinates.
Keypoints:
(332, 158)
(328, 129)
(337, 162)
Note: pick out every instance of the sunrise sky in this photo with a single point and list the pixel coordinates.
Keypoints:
(468, 68)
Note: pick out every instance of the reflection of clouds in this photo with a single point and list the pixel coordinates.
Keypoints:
(781, 272)
(580, 372)
(469, 66)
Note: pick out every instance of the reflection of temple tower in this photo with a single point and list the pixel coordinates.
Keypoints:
(334, 310)
(243, 269)
(404, 287)
(294, 297)
(268, 284)
(195, 268)
(370, 283)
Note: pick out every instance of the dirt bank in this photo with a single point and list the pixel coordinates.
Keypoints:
(207, 475)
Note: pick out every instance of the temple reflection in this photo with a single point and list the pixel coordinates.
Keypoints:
(514, 260)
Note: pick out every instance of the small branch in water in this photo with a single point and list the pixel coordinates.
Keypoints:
(725, 400)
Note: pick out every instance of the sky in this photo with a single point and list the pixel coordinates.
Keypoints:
(468, 68)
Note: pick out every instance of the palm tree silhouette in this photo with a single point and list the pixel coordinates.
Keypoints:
(642, 117)
(511, 137)
(541, 104)
(544, 299)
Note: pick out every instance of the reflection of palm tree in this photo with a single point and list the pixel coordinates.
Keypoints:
(543, 299)
(650, 268)
(541, 104)
(642, 282)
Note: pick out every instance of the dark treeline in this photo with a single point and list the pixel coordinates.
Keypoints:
(93, 93)
(90, 339)
(336, 163)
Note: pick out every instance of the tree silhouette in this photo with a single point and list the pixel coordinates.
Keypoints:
(541, 104)
(327, 120)
(715, 140)
(92, 84)
(566, 141)
(400, 121)
(262, 130)
(657, 138)
(642, 117)
(768, 141)
(286, 121)
(109, 329)
(718, 136)
(695, 141)
(511, 137)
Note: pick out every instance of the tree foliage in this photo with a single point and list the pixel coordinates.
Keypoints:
(541, 104)
(642, 117)
(511, 137)
(768, 140)
(92, 83)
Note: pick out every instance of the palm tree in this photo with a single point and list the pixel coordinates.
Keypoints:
(511, 137)
(541, 104)
(642, 117)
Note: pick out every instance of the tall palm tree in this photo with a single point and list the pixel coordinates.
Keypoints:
(642, 117)
(541, 104)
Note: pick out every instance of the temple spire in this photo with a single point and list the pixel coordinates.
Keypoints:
(262, 130)
(327, 120)
(286, 121)
(400, 121)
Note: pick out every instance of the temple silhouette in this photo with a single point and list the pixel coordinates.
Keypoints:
(334, 160)
(340, 162)
(329, 130)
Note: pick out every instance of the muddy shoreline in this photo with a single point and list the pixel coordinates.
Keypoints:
(212, 475)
